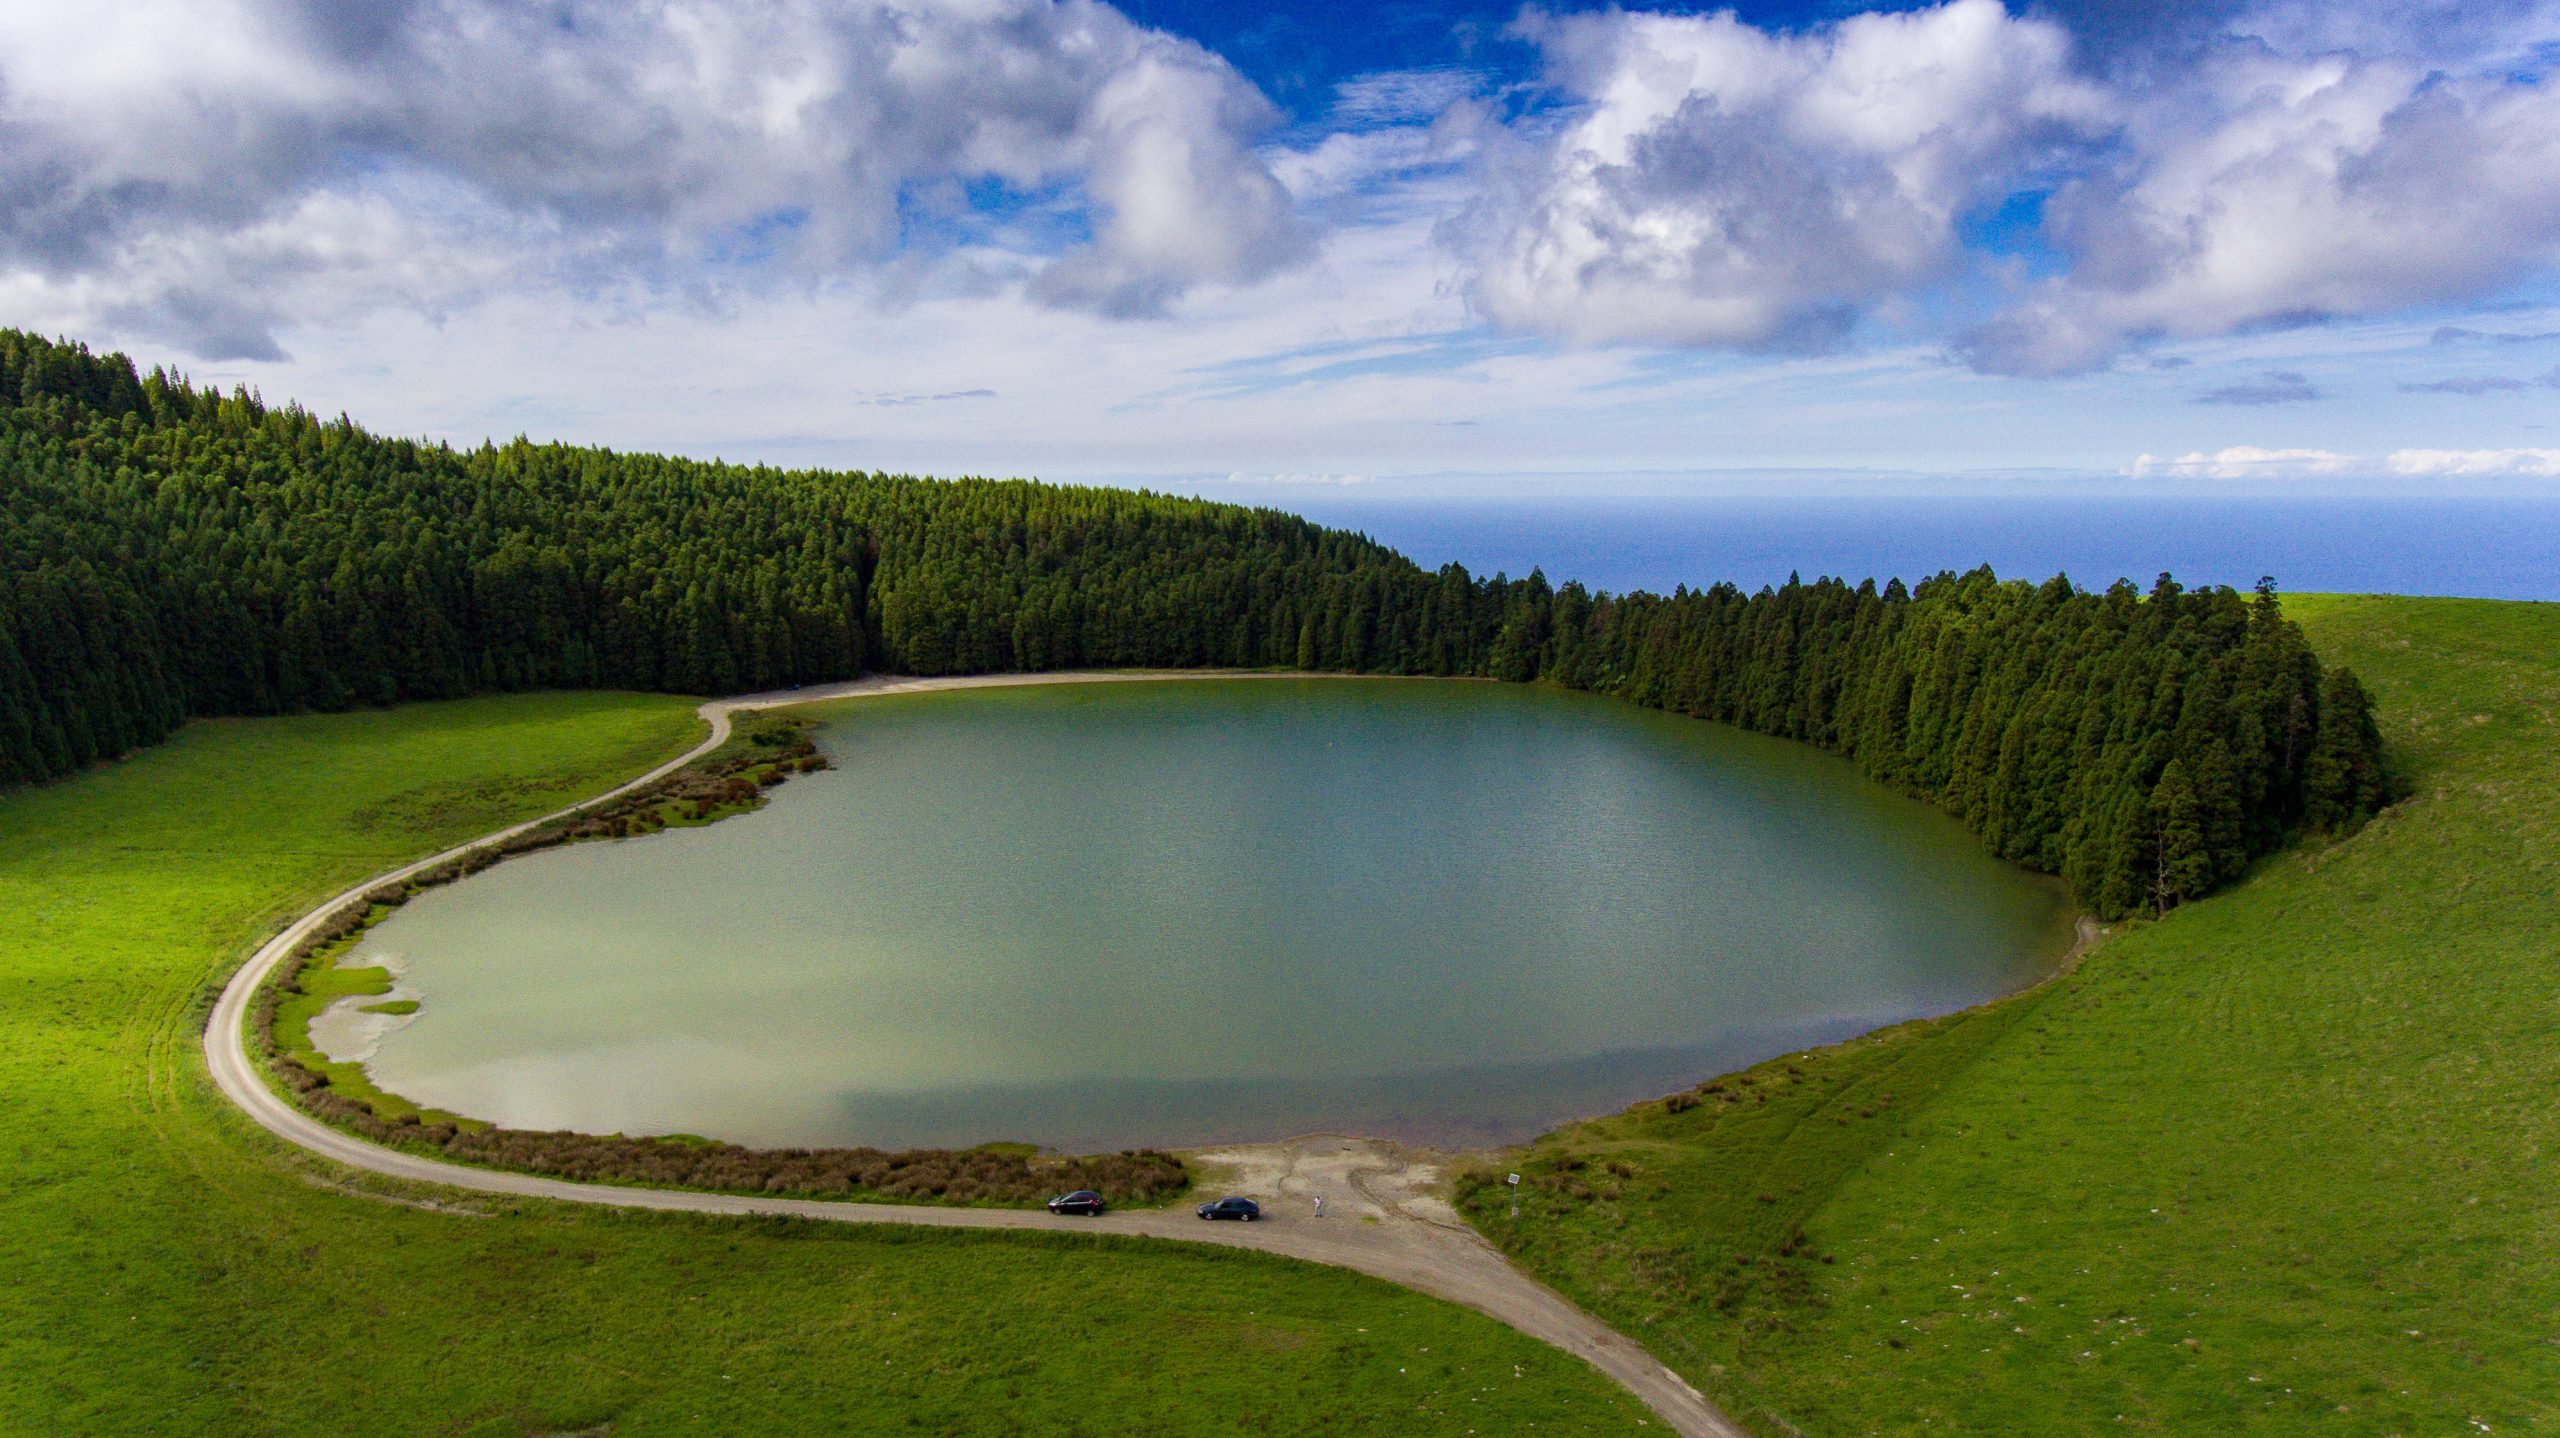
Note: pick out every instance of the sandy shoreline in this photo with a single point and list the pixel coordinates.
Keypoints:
(882, 684)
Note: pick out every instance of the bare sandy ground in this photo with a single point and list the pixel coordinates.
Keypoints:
(1384, 1210)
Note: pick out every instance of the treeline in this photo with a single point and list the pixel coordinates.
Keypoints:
(169, 551)
(2145, 747)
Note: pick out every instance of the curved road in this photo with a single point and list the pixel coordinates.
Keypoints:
(1416, 1240)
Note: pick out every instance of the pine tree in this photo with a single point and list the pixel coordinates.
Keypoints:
(2342, 777)
(2181, 864)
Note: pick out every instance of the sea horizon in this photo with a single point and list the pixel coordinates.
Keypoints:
(2480, 543)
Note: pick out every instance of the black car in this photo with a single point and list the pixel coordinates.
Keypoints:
(1238, 1208)
(1083, 1200)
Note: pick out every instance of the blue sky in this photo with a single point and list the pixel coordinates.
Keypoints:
(1463, 246)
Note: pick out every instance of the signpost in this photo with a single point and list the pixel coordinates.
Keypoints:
(1515, 1195)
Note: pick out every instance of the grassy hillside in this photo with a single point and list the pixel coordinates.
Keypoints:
(171, 1269)
(2282, 1163)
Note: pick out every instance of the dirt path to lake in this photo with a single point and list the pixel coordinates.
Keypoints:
(1383, 1214)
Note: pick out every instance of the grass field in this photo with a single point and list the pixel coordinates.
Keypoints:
(2282, 1163)
(172, 1269)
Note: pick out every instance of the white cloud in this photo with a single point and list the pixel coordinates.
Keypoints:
(1182, 200)
(146, 147)
(1403, 96)
(1724, 185)
(766, 230)
(2269, 189)
(2243, 461)
(2476, 462)
(2472, 35)
(2273, 387)
(1719, 185)
(325, 255)
(1331, 481)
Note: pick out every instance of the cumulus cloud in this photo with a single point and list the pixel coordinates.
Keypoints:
(2457, 462)
(215, 165)
(2475, 35)
(2251, 166)
(1182, 199)
(2270, 188)
(220, 288)
(2273, 387)
(2244, 461)
(211, 172)
(1725, 185)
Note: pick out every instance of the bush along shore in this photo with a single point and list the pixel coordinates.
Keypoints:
(766, 751)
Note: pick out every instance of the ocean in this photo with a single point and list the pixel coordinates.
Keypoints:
(2486, 546)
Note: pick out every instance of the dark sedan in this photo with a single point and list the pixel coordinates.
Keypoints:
(1084, 1201)
(1244, 1209)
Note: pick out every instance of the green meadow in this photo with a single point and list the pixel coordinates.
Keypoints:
(2280, 1163)
(173, 1269)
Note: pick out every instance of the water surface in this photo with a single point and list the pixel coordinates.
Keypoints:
(1095, 916)
(2489, 546)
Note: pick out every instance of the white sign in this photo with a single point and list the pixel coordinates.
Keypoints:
(1515, 1180)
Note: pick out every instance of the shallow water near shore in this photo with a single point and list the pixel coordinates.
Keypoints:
(1185, 912)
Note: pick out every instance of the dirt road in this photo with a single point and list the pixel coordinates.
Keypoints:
(1382, 1216)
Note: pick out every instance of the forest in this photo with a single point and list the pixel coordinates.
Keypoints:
(169, 551)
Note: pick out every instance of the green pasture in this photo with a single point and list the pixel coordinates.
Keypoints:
(2281, 1163)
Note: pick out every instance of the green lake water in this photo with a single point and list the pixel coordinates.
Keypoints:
(1103, 915)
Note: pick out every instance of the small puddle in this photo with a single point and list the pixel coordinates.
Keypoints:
(346, 1033)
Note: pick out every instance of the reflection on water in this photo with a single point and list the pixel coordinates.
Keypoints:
(1107, 915)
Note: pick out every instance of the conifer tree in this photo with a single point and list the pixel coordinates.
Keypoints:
(2181, 865)
(2342, 778)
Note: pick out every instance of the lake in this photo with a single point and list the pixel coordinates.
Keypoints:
(1107, 915)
